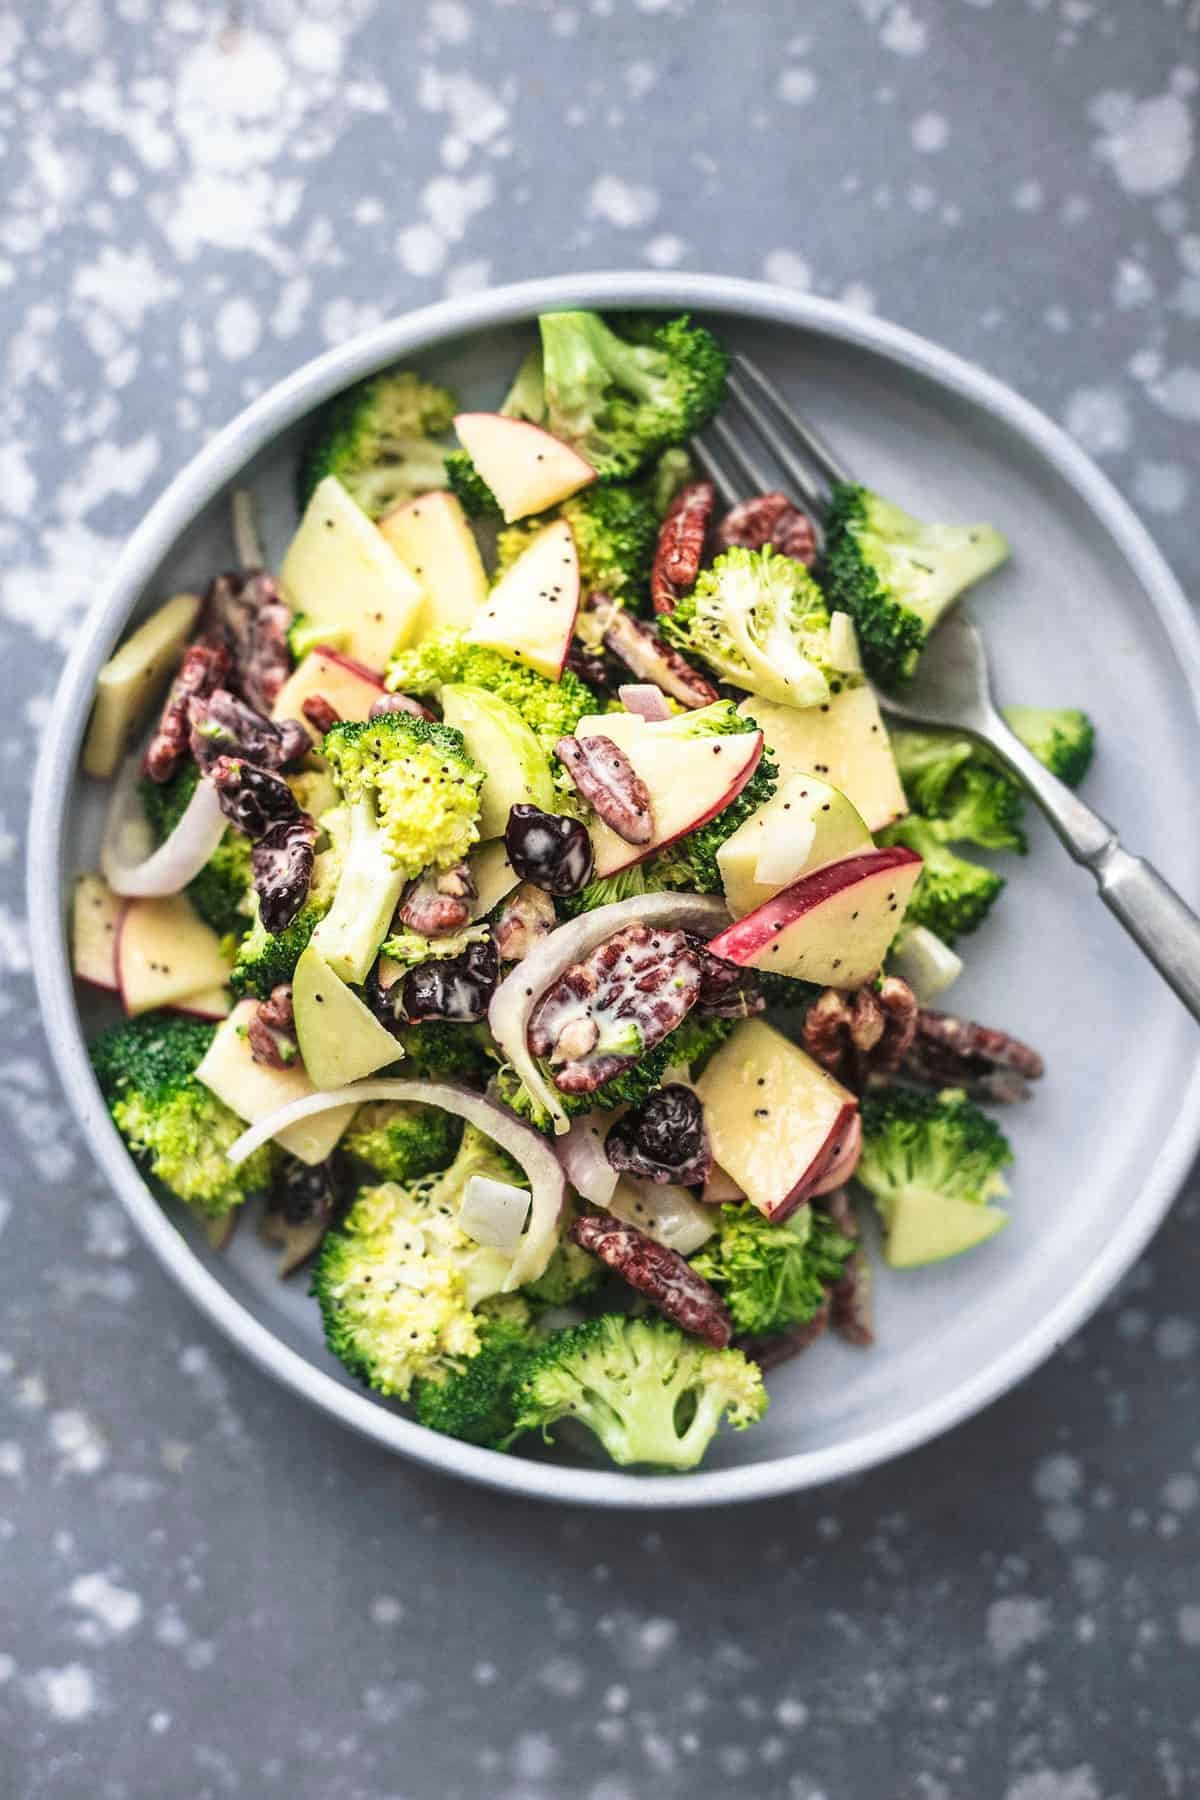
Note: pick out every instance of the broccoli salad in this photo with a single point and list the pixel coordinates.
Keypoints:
(518, 899)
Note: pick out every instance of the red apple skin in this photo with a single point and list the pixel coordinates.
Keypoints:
(727, 798)
(347, 662)
(742, 940)
(196, 1012)
(817, 1168)
(842, 1164)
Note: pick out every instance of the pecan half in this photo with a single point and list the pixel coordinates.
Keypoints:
(634, 988)
(610, 784)
(222, 725)
(949, 1052)
(769, 519)
(437, 904)
(645, 654)
(864, 1034)
(247, 614)
(321, 714)
(852, 1313)
(769, 1352)
(681, 544)
(726, 991)
(526, 917)
(270, 1030)
(282, 864)
(203, 669)
(669, 1283)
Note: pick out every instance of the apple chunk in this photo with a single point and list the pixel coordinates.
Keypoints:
(350, 688)
(254, 1090)
(844, 741)
(526, 468)
(340, 1039)
(529, 615)
(341, 572)
(775, 1118)
(95, 926)
(832, 927)
(689, 779)
(431, 536)
(133, 678)
(804, 825)
(930, 1228)
(166, 954)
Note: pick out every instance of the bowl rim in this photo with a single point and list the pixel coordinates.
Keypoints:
(210, 470)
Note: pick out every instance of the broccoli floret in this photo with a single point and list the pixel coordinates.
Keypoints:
(650, 1394)
(1059, 736)
(551, 709)
(615, 531)
(931, 1145)
(398, 1282)
(464, 480)
(146, 1071)
(693, 1041)
(952, 895)
(436, 1050)
(760, 621)
(572, 1272)
(672, 471)
(221, 891)
(620, 402)
(953, 784)
(424, 786)
(378, 441)
(476, 1401)
(265, 959)
(400, 1141)
(772, 1277)
(896, 576)
(637, 879)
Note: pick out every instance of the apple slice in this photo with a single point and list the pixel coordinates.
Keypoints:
(254, 1090)
(350, 688)
(832, 927)
(432, 537)
(930, 1228)
(492, 876)
(95, 926)
(214, 1003)
(804, 825)
(133, 678)
(340, 1039)
(844, 741)
(529, 615)
(774, 1117)
(526, 468)
(499, 741)
(341, 571)
(165, 954)
(690, 779)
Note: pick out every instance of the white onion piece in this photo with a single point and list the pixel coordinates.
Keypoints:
(843, 645)
(128, 863)
(582, 1155)
(524, 1144)
(927, 964)
(494, 1213)
(669, 1215)
(844, 1163)
(516, 997)
(644, 699)
(247, 544)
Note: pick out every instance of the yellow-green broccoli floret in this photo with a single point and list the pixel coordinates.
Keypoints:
(401, 1140)
(954, 784)
(476, 1402)
(772, 1277)
(952, 895)
(422, 784)
(760, 621)
(930, 1145)
(1062, 737)
(171, 1122)
(378, 439)
(650, 1394)
(551, 709)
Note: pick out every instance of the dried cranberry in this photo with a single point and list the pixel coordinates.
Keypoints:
(223, 725)
(549, 849)
(307, 1191)
(598, 668)
(282, 862)
(247, 614)
(726, 991)
(451, 987)
(663, 1139)
(252, 799)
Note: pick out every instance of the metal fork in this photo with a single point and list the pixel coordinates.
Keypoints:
(951, 690)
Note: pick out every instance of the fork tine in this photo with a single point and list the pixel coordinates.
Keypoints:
(751, 377)
(812, 493)
(716, 471)
(754, 479)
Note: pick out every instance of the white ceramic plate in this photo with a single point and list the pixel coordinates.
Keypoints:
(1086, 614)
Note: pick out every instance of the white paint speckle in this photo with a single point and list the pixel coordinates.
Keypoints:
(69, 1694)
(238, 328)
(1053, 1784)
(1188, 1620)
(1028, 196)
(1147, 143)
(1175, 1339)
(625, 204)
(315, 47)
(387, 1610)
(12, 1460)
(1015, 1623)
(81, 1447)
(1178, 393)
(665, 251)
(930, 133)
(788, 268)
(116, 1610)
(903, 33)
(1098, 418)
(1160, 488)
(796, 85)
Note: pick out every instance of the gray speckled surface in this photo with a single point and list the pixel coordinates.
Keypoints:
(208, 1590)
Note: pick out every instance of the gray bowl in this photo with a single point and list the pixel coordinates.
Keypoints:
(1087, 613)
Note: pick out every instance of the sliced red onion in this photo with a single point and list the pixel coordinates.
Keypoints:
(525, 1145)
(130, 866)
(247, 544)
(581, 1154)
(844, 1163)
(518, 994)
(644, 699)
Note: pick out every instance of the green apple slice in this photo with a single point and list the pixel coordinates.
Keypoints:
(774, 1117)
(254, 1090)
(804, 825)
(832, 927)
(492, 876)
(930, 1228)
(500, 742)
(529, 615)
(431, 537)
(95, 925)
(133, 678)
(350, 688)
(526, 468)
(844, 741)
(166, 953)
(341, 571)
(340, 1039)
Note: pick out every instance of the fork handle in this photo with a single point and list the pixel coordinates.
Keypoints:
(1162, 925)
